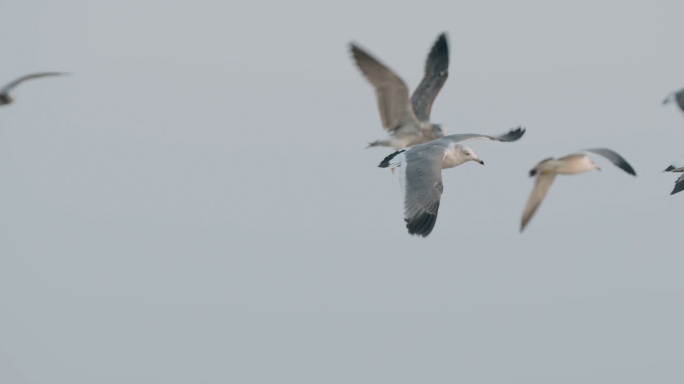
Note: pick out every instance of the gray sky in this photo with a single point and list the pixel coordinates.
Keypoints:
(195, 204)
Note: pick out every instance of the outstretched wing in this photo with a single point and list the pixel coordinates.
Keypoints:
(20, 80)
(512, 135)
(436, 73)
(614, 158)
(541, 187)
(390, 91)
(421, 178)
(679, 185)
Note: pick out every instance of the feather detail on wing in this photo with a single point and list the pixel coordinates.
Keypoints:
(679, 185)
(512, 135)
(614, 158)
(391, 92)
(436, 73)
(421, 179)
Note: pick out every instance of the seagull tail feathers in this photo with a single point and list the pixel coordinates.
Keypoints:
(535, 170)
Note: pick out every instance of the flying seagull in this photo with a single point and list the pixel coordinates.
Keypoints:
(547, 170)
(679, 184)
(676, 96)
(407, 121)
(6, 97)
(420, 174)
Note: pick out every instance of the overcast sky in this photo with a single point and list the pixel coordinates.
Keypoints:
(195, 204)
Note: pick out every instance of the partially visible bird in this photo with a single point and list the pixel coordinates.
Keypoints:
(420, 174)
(6, 95)
(679, 183)
(676, 96)
(407, 121)
(547, 170)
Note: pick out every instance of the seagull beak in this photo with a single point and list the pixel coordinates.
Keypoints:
(479, 161)
(598, 168)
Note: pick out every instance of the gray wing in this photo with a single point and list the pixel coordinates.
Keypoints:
(390, 91)
(614, 158)
(512, 135)
(422, 181)
(436, 73)
(541, 187)
(679, 185)
(20, 80)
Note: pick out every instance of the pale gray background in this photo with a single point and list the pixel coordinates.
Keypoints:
(195, 204)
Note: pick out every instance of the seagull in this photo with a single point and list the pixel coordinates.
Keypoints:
(407, 121)
(547, 170)
(676, 96)
(6, 97)
(420, 174)
(679, 184)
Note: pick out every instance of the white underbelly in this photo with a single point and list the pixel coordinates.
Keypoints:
(573, 167)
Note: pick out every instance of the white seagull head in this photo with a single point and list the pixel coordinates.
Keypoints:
(467, 154)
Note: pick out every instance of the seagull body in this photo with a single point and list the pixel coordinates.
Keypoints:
(679, 183)
(6, 96)
(406, 120)
(676, 96)
(547, 169)
(568, 165)
(420, 174)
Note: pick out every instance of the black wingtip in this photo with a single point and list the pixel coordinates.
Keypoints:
(441, 42)
(614, 158)
(421, 225)
(386, 162)
(513, 135)
(353, 48)
(678, 188)
(625, 166)
(533, 172)
(668, 169)
(359, 53)
(440, 50)
(628, 168)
